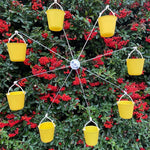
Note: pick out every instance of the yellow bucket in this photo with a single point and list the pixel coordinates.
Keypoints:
(135, 66)
(16, 100)
(125, 109)
(91, 135)
(107, 25)
(17, 51)
(55, 19)
(46, 130)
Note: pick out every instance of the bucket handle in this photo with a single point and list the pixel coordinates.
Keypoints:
(107, 7)
(15, 83)
(135, 49)
(91, 121)
(46, 117)
(16, 33)
(55, 2)
(125, 93)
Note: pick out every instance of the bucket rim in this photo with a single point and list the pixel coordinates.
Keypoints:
(92, 126)
(21, 92)
(17, 43)
(107, 16)
(47, 122)
(135, 59)
(126, 101)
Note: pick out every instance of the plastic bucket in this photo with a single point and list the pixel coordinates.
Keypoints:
(46, 130)
(91, 135)
(135, 66)
(17, 51)
(16, 100)
(107, 25)
(55, 19)
(125, 109)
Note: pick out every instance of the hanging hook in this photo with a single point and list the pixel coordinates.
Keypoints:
(55, 1)
(16, 32)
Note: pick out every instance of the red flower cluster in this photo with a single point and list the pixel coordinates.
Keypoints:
(123, 13)
(44, 35)
(65, 97)
(71, 39)
(108, 124)
(53, 49)
(68, 15)
(66, 25)
(135, 5)
(3, 26)
(37, 5)
(107, 138)
(77, 81)
(52, 88)
(29, 50)
(23, 82)
(97, 61)
(115, 42)
(2, 56)
(133, 28)
(147, 39)
(80, 142)
(120, 80)
(108, 52)
(44, 60)
(16, 3)
(86, 35)
(147, 5)
(26, 62)
(14, 134)
(95, 84)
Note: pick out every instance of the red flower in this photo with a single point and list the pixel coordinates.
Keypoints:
(142, 148)
(77, 81)
(66, 25)
(134, 5)
(120, 80)
(11, 135)
(99, 116)
(107, 138)
(30, 41)
(86, 35)
(33, 125)
(44, 60)
(52, 88)
(67, 72)
(123, 13)
(23, 82)
(10, 116)
(68, 15)
(133, 28)
(44, 35)
(88, 146)
(115, 42)
(54, 49)
(108, 52)
(3, 26)
(147, 39)
(26, 62)
(60, 143)
(3, 57)
(80, 142)
(65, 97)
(137, 140)
(108, 124)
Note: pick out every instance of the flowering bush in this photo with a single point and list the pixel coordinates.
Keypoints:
(19, 129)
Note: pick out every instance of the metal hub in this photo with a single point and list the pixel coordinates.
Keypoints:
(75, 64)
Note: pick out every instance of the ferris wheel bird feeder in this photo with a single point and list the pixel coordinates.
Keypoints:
(107, 23)
(91, 133)
(16, 99)
(55, 17)
(17, 51)
(46, 130)
(135, 65)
